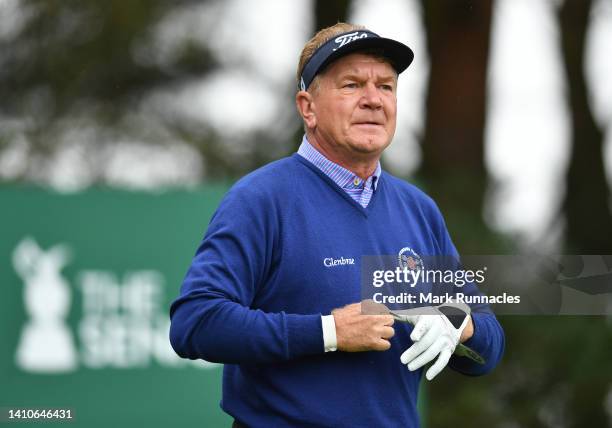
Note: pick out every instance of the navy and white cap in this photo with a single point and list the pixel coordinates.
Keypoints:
(398, 53)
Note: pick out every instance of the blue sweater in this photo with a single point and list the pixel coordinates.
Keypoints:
(258, 285)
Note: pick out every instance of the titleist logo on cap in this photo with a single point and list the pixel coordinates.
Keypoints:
(400, 55)
(348, 38)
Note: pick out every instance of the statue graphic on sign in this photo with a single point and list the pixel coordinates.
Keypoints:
(46, 343)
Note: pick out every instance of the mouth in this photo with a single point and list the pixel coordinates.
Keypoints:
(368, 123)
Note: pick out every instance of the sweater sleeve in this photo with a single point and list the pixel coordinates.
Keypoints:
(213, 318)
(488, 341)
(488, 338)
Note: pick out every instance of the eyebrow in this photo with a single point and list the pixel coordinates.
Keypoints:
(354, 74)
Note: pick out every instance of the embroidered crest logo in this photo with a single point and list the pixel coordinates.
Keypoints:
(409, 259)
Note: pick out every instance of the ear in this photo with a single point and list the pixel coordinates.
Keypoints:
(305, 105)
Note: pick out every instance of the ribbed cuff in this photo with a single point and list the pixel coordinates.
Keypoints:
(305, 335)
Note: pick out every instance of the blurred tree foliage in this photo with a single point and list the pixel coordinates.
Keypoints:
(328, 13)
(453, 170)
(77, 63)
(83, 51)
(587, 198)
(557, 370)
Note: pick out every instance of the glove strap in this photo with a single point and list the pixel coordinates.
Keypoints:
(456, 313)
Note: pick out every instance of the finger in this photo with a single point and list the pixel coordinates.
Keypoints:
(382, 345)
(381, 319)
(387, 332)
(440, 363)
(422, 326)
(419, 347)
(427, 356)
(412, 352)
(387, 320)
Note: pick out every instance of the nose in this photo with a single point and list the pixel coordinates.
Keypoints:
(371, 98)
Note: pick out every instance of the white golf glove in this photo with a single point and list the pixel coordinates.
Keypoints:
(436, 333)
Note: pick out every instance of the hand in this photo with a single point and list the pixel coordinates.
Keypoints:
(356, 332)
(436, 333)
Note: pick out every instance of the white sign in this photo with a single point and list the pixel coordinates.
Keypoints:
(124, 323)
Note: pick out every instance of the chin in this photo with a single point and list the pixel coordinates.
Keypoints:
(370, 143)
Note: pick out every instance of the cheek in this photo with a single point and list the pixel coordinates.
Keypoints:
(342, 116)
(391, 111)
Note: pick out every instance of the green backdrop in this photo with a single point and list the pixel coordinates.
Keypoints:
(86, 280)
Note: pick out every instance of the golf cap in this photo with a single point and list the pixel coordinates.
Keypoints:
(343, 44)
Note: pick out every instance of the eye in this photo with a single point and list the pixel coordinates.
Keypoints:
(386, 87)
(350, 85)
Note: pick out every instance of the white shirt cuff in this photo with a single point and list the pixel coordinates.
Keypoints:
(329, 333)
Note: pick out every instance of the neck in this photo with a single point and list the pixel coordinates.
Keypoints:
(362, 166)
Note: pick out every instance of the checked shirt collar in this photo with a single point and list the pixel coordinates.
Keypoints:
(358, 189)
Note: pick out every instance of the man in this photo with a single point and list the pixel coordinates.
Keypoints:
(273, 291)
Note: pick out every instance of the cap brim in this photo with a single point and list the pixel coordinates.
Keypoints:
(399, 55)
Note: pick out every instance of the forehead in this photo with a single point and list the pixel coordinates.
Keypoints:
(361, 63)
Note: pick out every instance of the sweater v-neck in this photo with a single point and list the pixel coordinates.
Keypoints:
(364, 211)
